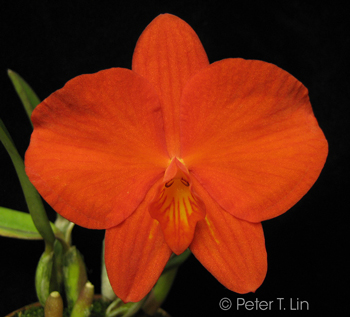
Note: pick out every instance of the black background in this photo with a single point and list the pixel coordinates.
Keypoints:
(50, 42)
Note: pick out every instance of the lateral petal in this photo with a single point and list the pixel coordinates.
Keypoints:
(167, 54)
(97, 147)
(250, 137)
(136, 253)
(231, 249)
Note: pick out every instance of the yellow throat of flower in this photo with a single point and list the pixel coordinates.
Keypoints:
(177, 207)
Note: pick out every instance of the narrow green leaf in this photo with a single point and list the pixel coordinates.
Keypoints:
(34, 202)
(28, 97)
(18, 224)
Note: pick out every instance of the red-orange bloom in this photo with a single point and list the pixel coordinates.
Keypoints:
(177, 154)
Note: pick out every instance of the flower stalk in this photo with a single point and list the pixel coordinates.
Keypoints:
(163, 286)
(118, 309)
(107, 292)
(160, 292)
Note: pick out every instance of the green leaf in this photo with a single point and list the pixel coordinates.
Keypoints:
(18, 224)
(74, 274)
(28, 97)
(43, 277)
(34, 202)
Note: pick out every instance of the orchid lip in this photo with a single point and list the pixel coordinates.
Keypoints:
(177, 207)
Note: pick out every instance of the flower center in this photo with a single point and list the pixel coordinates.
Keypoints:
(177, 207)
(176, 200)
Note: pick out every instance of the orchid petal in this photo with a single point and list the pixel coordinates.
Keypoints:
(231, 249)
(167, 54)
(136, 253)
(97, 147)
(250, 137)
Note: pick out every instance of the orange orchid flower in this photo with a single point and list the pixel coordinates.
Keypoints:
(177, 153)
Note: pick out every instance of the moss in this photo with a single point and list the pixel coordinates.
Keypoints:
(31, 312)
(98, 310)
